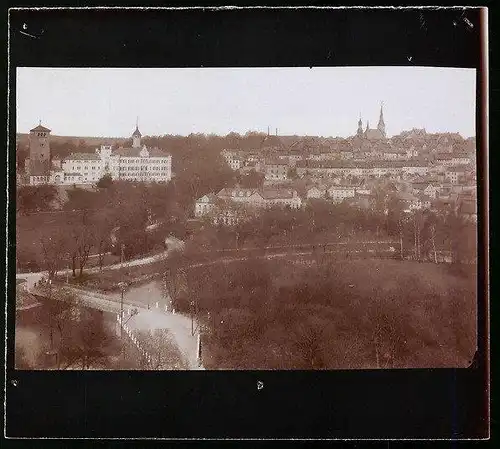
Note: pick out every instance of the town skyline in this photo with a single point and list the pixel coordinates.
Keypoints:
(283, 101)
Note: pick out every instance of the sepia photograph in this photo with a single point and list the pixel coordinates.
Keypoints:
(245, 218)
(247, 223)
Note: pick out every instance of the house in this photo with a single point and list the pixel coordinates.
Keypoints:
(316, 192)
(460, 159)
(425, 201)
(204, 205)
(276, 170)
(361, 200)
(427, 188)
(346, 154)
(233, 205)
(394, 155)
(281, 197)
(339, 193)
(468, 210)
(411, 202)
(443, 159)
(455, 174)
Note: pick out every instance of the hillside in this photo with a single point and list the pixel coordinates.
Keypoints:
(22, 139)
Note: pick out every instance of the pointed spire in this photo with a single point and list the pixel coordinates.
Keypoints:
(381, 124)
(367, 125)
(360, 126)
(40, 122)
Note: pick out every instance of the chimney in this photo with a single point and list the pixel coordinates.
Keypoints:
(268, 130)
(276, 132)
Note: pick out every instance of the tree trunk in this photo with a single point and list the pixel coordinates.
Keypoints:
(414, 241)
(401, 245)
(433, 238)
(101, 255)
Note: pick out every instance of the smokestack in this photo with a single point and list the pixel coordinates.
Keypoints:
(276, 132)
(268, 130)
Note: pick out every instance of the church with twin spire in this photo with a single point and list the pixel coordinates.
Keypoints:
(373, 133)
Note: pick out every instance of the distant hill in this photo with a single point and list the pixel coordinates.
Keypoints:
(22, 139)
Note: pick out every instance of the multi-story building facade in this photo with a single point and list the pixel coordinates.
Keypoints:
(276, 170)
(137, 163)
(233, 158)
(129, 164)
(326, 169)
(338, 193)
(231, 205)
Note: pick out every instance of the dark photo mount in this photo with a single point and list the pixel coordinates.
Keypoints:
(368, 404)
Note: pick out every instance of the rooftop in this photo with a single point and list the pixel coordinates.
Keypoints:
(135, 152)
(40, 128)
(82, 157)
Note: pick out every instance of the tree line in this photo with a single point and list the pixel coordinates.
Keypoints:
(420, 235)
(261, 314)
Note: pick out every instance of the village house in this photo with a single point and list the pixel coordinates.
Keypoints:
(232, 204)
(460, 159)
(455, 174)
(204, 205)
(346, 155)
(339, 193)
(276, 170)
(468, 210)
(395, 155)
(316, 192)
(427, 188)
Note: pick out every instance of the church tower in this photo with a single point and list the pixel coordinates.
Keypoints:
(39, 145)
(381, 124)
(136, 136)
(360, 127)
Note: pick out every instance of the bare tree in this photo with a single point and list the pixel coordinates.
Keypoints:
(87, 339)
(308, 340)
(433, 241)
(102, 229)
(174, 278)
(61, 307)
(52, 253)
(82, 240)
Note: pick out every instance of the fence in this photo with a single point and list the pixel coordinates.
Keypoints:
(146, 356)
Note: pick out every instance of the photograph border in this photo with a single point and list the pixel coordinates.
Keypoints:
(232, 389)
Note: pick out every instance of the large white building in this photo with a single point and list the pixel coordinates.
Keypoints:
(137, 163)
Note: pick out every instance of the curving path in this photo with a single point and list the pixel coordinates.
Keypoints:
(173, 245)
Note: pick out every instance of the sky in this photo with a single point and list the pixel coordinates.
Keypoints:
(322, 101)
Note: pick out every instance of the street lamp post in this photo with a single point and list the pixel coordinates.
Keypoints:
(51, 318)
(123, 286)
(192, 318)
